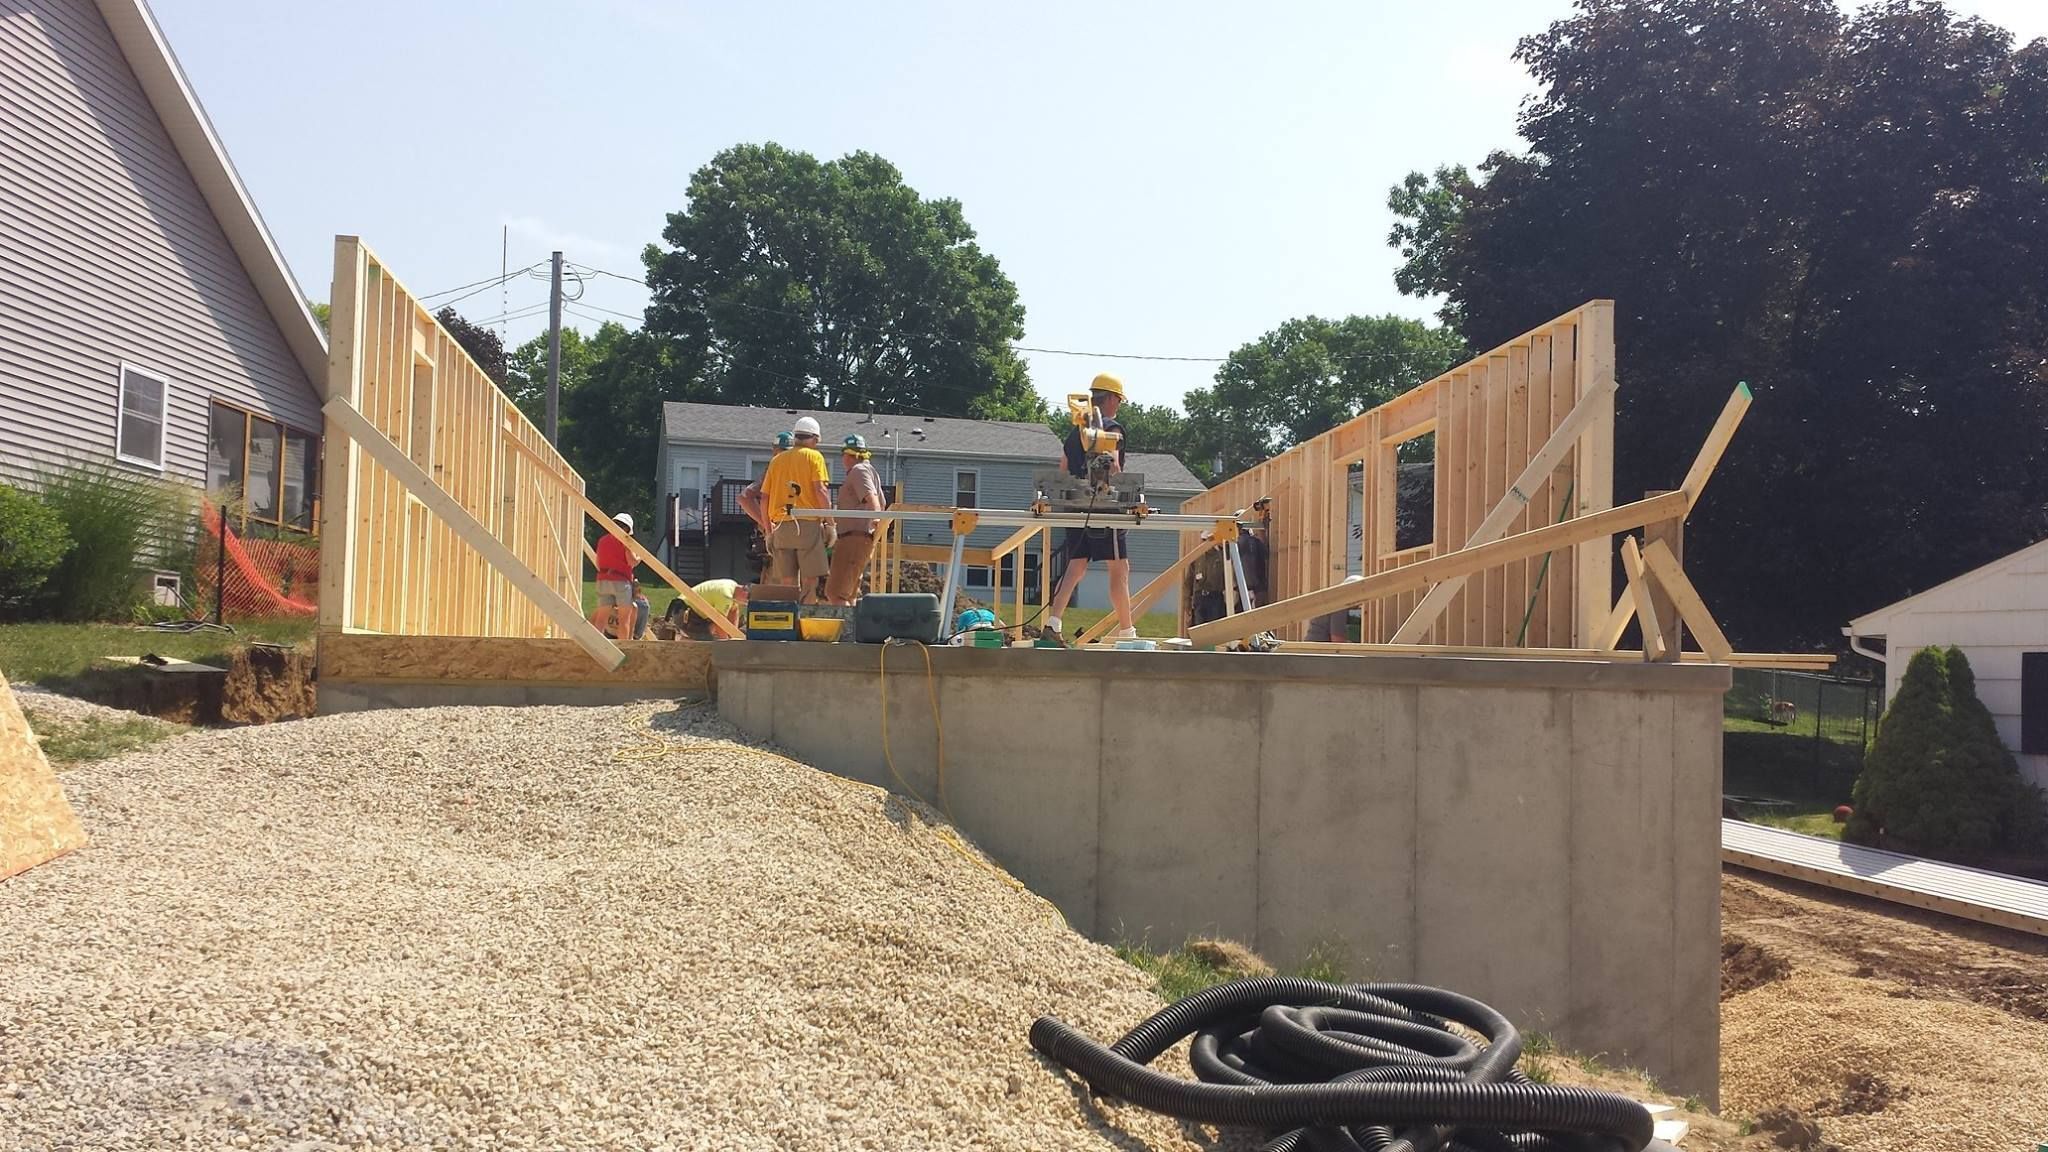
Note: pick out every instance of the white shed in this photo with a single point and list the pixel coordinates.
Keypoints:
(1998, 616)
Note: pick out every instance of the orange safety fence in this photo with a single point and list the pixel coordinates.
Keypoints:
(243, 577)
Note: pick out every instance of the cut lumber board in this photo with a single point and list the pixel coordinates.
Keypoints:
(1639, 591)
(1787, 661)
(1691, 609)
(1463, 562)
(37, 824)
(1951, 889)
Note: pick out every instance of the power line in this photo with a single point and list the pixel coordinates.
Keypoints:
(1120, 355)
(1019, 347)
(479, 285)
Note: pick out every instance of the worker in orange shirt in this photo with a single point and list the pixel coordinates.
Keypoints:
(796, 479)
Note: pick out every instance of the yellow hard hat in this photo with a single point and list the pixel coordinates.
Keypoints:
(1109, 384)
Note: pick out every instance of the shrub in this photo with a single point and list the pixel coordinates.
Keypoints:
(32, 543)
(120, 523)
(1937, 782)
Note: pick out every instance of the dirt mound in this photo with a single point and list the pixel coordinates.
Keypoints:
(267, 683)
(1745, 964)
(1229, 956)
(1864, 1095)
(1790, 1130)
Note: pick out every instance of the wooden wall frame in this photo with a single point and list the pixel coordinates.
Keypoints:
(1491, 416)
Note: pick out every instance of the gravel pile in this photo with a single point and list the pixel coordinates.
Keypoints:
(1879, 1069)
(45, 707)
(532, 928)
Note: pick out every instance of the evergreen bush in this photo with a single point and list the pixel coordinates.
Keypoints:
(32, 543)
(1937, 781)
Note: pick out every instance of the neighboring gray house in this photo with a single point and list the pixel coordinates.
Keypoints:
(709, 452)
(145, 313)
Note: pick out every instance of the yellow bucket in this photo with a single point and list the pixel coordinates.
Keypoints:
(823, 628)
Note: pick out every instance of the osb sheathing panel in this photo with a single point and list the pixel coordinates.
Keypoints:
(356, 656)
(36, 823)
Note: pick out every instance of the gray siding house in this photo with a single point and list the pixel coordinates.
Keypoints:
(711, 451)
(145, 313)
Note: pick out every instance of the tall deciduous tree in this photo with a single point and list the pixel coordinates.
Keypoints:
(835, 285)
(526, 374)
(611, 420)
(1847, 213)
(482, 344)
(1308, 376)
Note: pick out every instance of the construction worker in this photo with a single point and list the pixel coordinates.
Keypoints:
(755, 505)
(1080, 545)
(860, 491)
(796, 479)
(719, 594)
(616, 614)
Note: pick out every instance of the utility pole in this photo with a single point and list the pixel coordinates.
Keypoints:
(554, 344)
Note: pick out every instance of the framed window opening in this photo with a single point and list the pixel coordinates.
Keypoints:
(966, 487)
(272, 467)
(143, 397)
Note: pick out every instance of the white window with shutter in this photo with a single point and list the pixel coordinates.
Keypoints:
(139, 426)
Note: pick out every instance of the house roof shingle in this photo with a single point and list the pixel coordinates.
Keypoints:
(757, 427)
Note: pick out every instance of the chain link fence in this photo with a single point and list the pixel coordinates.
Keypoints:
(1796, 736)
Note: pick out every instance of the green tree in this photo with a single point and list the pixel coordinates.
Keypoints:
(482, 344)
(1848, 214)
(611, 420)
(1306, 377)
(526, 374)
(1936, 781)
(835, 285)
(1426, 209)
(322, 314)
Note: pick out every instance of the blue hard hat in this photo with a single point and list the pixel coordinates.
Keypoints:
(976, 618)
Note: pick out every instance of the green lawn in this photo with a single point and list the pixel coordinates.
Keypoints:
(40, 652)
(658, 596)
(1821, 824)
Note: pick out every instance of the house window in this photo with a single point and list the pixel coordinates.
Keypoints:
(974, 575)
(966, 488)
(139, 435)
(2034, 703)
(271, 470)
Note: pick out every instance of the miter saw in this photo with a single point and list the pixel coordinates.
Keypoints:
(1103, 489)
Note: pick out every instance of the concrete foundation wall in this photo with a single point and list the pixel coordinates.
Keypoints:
(1543, 835)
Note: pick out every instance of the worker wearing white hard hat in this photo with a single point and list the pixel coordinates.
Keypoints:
(616, 614)
(796, 479)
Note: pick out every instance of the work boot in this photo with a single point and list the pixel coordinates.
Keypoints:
(1051, 638)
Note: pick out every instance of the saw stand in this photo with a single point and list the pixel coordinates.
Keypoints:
(1138, 517)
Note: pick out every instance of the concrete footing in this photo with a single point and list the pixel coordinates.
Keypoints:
(1543, 835)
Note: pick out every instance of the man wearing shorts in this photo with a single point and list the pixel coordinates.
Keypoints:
(1106, 544)
(861, 491)
(615, 612)
(798, 479)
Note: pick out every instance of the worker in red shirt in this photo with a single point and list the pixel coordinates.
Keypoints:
(616, 588)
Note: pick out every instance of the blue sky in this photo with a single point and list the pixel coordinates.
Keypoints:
(1170, 179)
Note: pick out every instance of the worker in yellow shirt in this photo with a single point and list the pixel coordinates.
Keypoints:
(798, 479)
